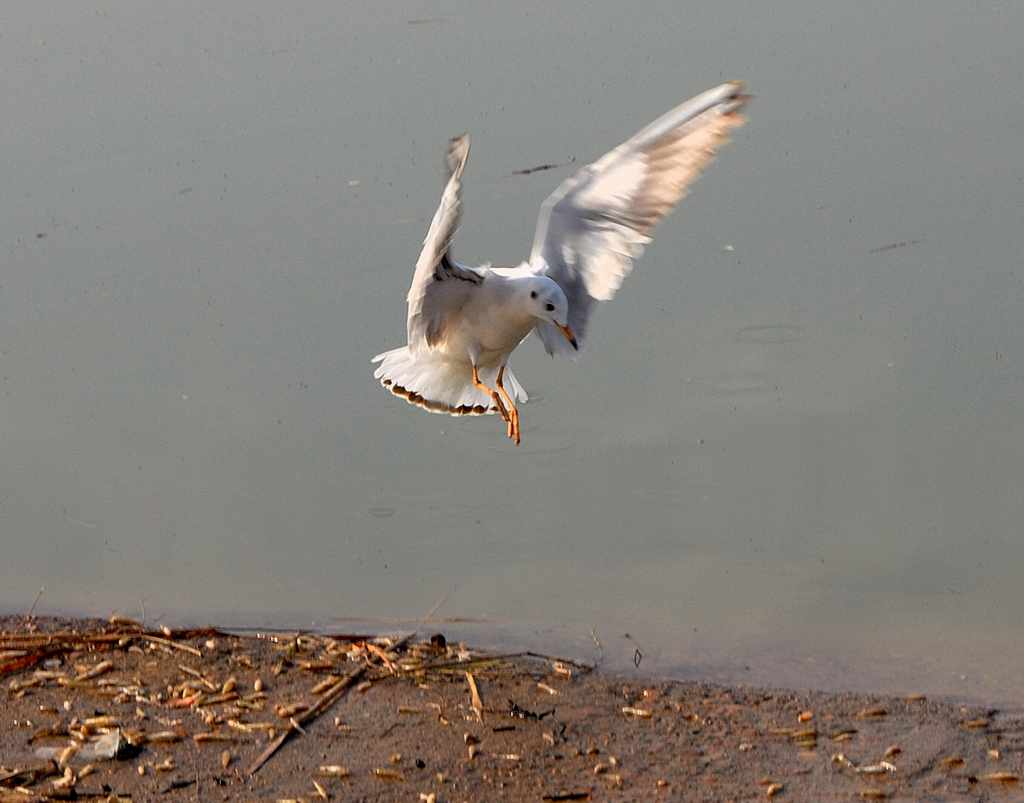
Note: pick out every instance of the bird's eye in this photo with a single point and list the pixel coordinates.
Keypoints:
(533, 294)
(550, 307)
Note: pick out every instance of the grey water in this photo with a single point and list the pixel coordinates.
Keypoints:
(792, 453)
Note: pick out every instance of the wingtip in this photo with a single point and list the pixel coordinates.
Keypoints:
(737, 98)
(458, 153)
(739, 91)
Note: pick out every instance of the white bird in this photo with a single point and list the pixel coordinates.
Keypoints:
(464, 322)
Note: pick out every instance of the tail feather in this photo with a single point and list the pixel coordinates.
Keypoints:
(439, 385)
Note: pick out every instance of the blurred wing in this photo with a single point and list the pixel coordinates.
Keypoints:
(440, 285)
(596, 224)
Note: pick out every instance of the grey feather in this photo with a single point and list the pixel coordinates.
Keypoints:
(440, 285)
(596, 224)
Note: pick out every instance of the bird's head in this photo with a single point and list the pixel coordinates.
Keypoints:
(548, 303)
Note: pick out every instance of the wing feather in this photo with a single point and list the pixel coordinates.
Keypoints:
(597, 223)
(440, 285)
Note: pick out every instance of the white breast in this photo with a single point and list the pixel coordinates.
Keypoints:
(490, 325)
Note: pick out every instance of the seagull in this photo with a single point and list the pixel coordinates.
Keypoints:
(465, 321)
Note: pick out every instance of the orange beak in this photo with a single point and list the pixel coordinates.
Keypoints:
(569, 335)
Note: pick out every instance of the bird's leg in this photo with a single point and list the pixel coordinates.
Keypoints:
(492, 393)
(513, 425)
(513, 413)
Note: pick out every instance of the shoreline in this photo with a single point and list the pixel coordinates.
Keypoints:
(931, 663)
(424, 717)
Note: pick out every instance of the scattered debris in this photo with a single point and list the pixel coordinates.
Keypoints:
(110, 746)
(526, 171)
(880, 768)
(111, 705)
(1001, 777)
(893, 246)
(325, 702)
(515, 710)
(474, 697)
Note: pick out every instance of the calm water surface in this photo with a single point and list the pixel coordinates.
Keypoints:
(792, 454)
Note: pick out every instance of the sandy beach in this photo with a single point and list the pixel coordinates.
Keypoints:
(111, 710)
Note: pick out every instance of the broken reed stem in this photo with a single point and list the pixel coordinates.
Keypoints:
(168, 643)
(39, 596)
(48, 645)
(486, 659)
(474, 697)
(382, 655)
(295, 724)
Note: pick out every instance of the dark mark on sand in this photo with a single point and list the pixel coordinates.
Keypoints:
(179, 784)
(515, 710)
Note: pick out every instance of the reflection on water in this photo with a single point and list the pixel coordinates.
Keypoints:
(791, 455)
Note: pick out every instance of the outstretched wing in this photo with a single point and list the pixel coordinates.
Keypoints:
(595, 225)
(439, 284)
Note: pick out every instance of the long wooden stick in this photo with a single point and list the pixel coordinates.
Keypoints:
(330, 697)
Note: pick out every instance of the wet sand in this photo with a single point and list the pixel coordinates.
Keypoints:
(191, 713)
